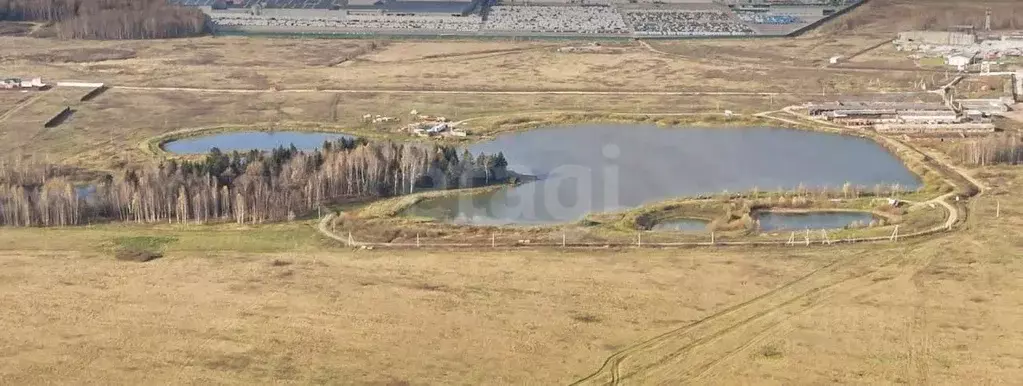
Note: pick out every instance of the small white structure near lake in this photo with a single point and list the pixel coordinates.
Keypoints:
(959, 61)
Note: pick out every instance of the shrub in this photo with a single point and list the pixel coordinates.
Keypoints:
(137, 255)
(141, 248)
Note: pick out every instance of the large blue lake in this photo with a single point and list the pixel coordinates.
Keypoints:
(602, 167)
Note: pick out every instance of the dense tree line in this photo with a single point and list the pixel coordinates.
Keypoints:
(109, 19)
(997, 149)
(248, 187)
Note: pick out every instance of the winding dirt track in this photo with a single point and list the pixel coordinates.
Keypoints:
(691, 354)
(942, 166)
(25, 102)
(488, 92)
(845, 66)
(694, 353)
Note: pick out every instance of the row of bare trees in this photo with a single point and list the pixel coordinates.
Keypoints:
(249, 187)
(997, 149)
(109, 19)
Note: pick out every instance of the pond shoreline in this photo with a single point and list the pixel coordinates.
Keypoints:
(522, 122)
(651, 164)
(155, 145)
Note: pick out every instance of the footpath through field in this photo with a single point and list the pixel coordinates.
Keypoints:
(694, 353)
(490, 92)
(954, 176)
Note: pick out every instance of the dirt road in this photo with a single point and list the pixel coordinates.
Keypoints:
(25, 102)
(489, 92)
(694, 353)
(691, 354)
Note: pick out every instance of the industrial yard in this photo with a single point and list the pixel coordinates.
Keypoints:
(119, 253)
(704, 18)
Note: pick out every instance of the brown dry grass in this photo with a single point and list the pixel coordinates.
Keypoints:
(354, 318)
(951, 318)
(878, 17)
(8, 28)
(280, 304)
(424, 65)
(106, 132)
(10, 99)
(941, 311)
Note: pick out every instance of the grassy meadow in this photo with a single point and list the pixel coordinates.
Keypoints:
(125, 303)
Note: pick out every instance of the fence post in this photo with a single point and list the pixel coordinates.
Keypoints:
(998, 208)
(493, 241)
(417, 240)
(350, 240)
(563, 239)
(639, 240)
(807, 239)
(712, 241)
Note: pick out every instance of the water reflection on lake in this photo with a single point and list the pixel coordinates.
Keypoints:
(681, 225)
(602, 167)
(247, 140)
(773, 221)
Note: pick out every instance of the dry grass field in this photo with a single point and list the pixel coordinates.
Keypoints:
(277, 304)
(106, 132)
(281, 304)
(254, 63)
(326, 317)
(880, 17)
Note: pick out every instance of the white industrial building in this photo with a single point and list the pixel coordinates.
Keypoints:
(959, 61)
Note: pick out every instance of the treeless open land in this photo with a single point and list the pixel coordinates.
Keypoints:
(281, 303)
(277, 304)
(260, 63)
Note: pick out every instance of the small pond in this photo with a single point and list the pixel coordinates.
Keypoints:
(681, 225)
(775, 221)
(248, 140)
(602, 167)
